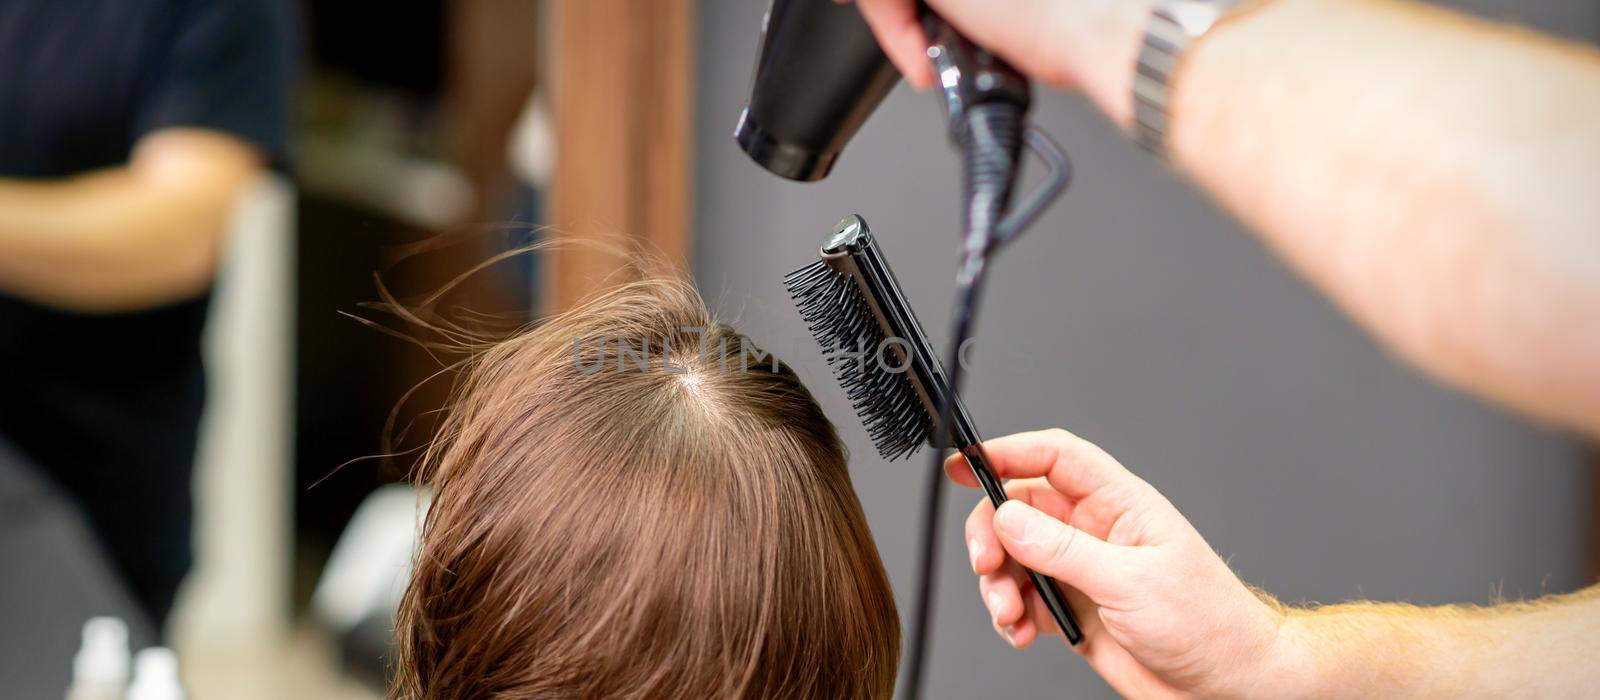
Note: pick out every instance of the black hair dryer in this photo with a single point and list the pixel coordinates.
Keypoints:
(819, 75)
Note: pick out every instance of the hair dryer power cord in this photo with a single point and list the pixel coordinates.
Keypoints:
(990, 140)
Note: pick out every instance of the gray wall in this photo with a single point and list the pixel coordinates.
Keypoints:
(1138, 316)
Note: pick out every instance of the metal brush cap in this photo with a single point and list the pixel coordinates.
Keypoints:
(846, 234)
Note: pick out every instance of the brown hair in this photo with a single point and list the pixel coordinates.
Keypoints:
(609, 527)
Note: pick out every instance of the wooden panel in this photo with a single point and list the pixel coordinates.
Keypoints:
(491, 68)
(623, 94)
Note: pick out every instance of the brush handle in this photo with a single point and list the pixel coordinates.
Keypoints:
(1048, 590)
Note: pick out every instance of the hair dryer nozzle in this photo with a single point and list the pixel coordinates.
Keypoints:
(819, 75)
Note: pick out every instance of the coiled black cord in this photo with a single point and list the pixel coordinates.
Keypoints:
(991, 141)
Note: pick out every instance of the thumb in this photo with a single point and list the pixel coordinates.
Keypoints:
(1061, 551)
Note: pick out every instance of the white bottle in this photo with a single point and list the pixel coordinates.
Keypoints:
(155, 676)
(100, 668)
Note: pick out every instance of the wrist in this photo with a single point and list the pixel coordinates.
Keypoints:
(1286, 661)
(1103, 57)
(1101, 53)
(1354, 649)
(1298, 665)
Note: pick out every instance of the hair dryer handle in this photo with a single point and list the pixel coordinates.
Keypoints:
(967, 75)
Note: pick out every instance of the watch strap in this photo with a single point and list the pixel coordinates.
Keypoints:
(1173, 26)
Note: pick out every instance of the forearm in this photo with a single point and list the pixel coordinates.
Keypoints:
(1541, 649)
(1434, 174)
(122, 238)
(99, 244)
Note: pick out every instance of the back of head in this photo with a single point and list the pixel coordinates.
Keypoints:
(631, 501)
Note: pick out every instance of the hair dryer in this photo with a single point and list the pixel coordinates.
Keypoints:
(819, 75)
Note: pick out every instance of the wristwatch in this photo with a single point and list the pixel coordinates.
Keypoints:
(1174, 25)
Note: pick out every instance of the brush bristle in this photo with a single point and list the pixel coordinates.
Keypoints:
(840, 318)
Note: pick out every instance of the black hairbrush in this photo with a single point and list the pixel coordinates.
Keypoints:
(853, 306)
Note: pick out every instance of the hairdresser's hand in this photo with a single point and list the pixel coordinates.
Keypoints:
(1089, 45)
(1161, 613)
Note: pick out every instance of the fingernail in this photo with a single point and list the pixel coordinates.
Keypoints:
(994, 603)
(1010, 634)
(974, 550)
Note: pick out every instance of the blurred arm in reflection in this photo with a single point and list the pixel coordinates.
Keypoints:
(128, 129)
(125, 237)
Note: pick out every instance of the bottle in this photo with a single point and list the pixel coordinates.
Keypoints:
(155, 676)
(100, 668)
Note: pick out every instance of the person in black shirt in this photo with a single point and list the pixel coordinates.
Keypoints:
(127, 130)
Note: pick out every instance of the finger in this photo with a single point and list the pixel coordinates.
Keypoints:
(983, 547)
(1074, 466)
(1008, 613)
(1002, 596)
(1027, 33)
(899, 31)
(1028, 626)
(1056, 549)
(1019, 635)
(1040, 493)
(956, 467)
(1044, 624)
(1038, 612)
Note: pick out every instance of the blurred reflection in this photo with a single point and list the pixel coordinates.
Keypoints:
(407, 119)
(131, 132)
(129, 128)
